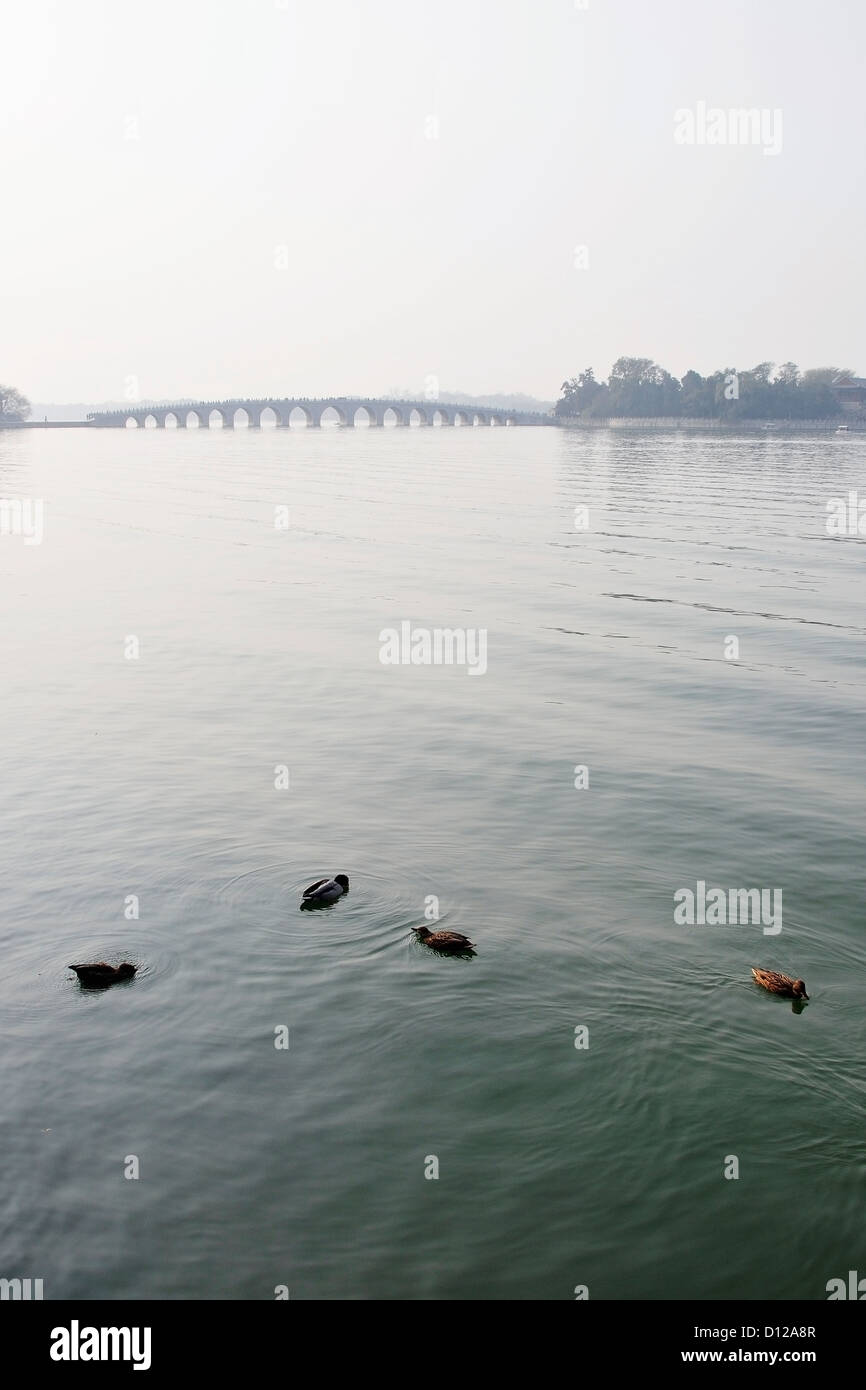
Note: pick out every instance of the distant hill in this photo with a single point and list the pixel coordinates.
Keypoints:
(46, 411)
(501, 400)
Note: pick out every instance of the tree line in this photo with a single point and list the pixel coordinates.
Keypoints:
(638, 387)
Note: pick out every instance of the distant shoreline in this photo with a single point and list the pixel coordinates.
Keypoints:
(44, 424)
(674, 422)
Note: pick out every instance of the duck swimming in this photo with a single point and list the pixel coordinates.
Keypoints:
(780, 984)
(325, 890)
(453, 941)
(98, 975)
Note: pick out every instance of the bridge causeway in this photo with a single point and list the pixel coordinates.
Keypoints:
(349, 411)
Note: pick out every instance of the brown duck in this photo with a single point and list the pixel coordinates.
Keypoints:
(98, 975)
(453, 941)
(780, 984)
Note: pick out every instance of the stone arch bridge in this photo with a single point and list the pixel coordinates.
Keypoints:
(346, 411)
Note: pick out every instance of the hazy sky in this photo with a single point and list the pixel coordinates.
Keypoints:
(229, 196)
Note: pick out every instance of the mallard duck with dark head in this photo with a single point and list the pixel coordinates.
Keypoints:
(780, 984)
(98, 975)
(325, 890)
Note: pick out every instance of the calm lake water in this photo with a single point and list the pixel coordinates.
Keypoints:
(259, 648)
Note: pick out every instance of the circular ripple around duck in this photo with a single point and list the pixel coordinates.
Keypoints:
(373, 916)
(43, 983)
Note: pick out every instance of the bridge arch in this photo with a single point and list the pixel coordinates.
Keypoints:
(440, 416)
(417, 416)
(270, 417)
(392, 416)
(132, 423)
(150, 421)
(240, 417)
(300, 417)
(194, 420)
(330, 409)
(171, 420)
(462, 417)
(214, 418)
(363, 416)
